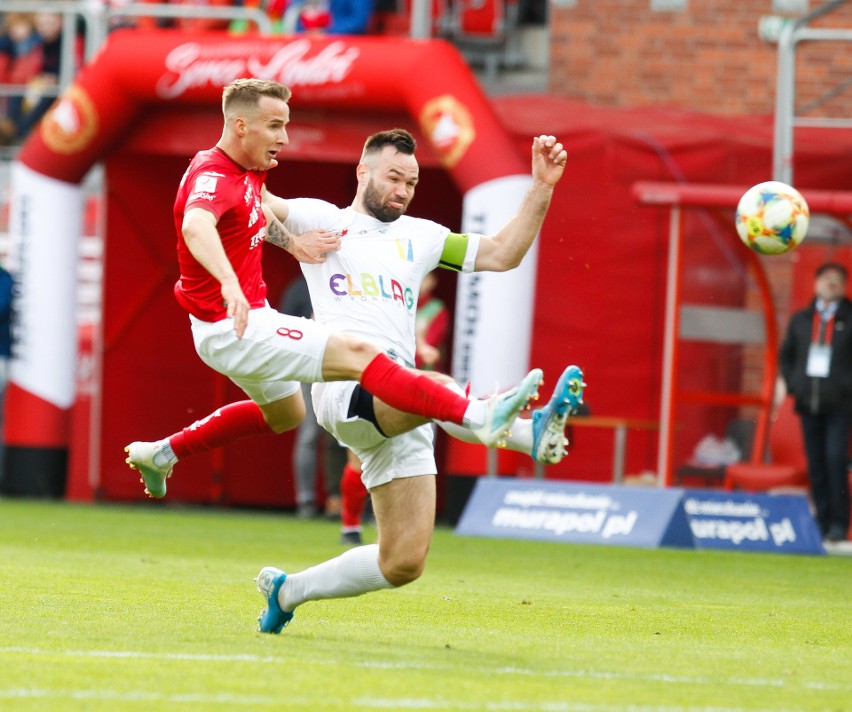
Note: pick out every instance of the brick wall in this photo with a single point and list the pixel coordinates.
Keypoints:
(705, 57)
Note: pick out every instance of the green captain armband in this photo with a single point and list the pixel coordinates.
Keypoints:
(455, 249)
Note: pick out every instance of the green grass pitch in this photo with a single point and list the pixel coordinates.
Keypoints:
(110, 607)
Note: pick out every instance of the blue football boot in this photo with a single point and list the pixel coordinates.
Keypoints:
(549, 441)
(272, 618)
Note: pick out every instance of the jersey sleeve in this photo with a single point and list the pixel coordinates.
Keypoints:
(304, 214)
(459, 253)
(214, 193)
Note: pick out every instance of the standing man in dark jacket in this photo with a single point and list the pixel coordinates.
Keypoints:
(816, 363)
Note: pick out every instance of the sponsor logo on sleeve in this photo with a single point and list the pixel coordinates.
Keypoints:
(205, 184)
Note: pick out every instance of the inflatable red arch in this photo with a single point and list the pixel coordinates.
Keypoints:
(135, 72)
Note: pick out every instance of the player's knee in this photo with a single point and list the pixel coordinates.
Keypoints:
(282, 426)
(404, 570)
(346, 357)
(285, 414)
(362, 352)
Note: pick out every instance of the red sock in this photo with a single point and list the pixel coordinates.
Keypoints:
(353, 494)
(412, 392)
(226, 425)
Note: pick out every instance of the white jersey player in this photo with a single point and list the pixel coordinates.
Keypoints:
(369, 288)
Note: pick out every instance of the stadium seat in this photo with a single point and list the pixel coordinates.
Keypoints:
(786, 466)
(741, 432)
(481, 19)
(393, 17)
(483, 30)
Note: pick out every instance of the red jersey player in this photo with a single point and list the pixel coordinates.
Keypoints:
(221, 223)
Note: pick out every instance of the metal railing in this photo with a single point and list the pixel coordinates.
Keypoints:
(789, 34)
(91, 21)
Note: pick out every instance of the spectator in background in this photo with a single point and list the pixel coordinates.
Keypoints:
(816, 365)
(318, 17)
(196, 22)
(202, 24)
(5, 343)
(297, 302)
(430, 327)
(36, 100)
(20, 62)
(49, 28)
(282, 22)
(335, 17)
(353, 497)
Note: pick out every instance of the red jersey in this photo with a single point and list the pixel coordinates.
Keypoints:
(216, 183)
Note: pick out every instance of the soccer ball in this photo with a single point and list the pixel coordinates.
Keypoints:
(772, 218)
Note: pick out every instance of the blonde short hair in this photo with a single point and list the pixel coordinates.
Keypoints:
(243, 94)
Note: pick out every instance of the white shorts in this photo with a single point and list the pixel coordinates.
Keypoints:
(382, 459)
(276, 352)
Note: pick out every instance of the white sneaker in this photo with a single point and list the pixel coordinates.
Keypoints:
(503, 408)
(141, 458)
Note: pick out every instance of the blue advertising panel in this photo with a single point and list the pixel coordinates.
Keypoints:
(548, 510)
(583, 513)
(751, 522)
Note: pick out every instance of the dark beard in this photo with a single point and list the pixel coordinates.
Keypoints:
(381, 212)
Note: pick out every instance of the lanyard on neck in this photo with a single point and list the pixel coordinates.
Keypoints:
(827, 333)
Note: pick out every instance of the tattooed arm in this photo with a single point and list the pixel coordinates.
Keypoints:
(309, 248)
(276, 233)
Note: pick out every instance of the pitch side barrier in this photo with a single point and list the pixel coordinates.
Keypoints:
(509, 508)
(137, 73)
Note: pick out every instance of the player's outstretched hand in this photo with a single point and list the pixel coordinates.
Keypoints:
(312, 247)
(548, 159)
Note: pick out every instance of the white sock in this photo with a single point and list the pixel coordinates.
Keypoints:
(165, 455)
(474, 416)
(352, 573)
(520, 439)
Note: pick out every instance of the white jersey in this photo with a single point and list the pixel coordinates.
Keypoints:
(370, 287)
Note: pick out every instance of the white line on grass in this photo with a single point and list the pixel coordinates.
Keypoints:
(408, 703)
(507, 671)
(610, 675)
(201, 657)
(420, 703)
(99, 694)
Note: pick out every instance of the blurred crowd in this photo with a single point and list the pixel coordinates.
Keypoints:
(287, 16)
(31, 44)
(30, 59)
(32, 53)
